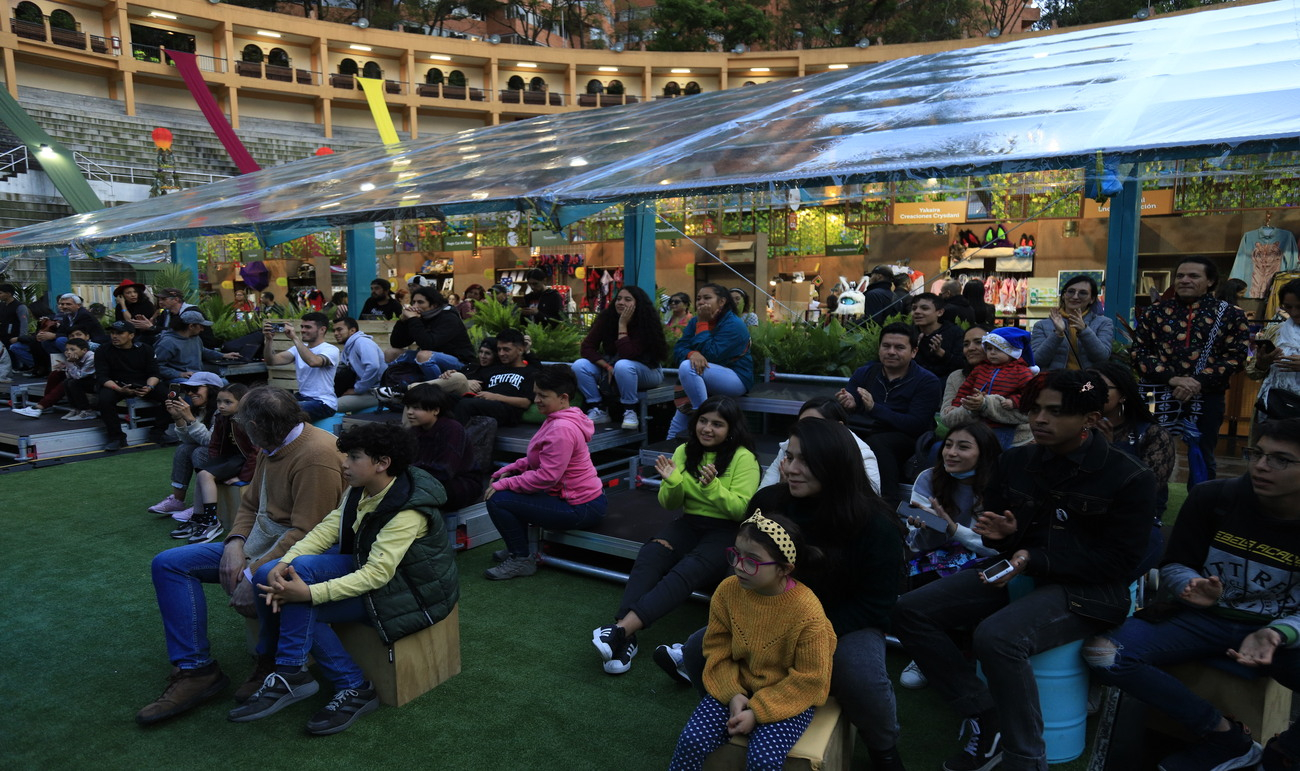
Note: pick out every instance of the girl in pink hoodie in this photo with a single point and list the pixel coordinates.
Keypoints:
(554, 485)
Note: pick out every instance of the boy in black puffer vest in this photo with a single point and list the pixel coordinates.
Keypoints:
(381, 556)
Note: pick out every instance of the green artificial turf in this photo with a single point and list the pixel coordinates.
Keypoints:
(83, 650)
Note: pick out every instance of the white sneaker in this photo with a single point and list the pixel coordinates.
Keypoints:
(912, 677)
(630, 422)
(597, 415)
(35, 412)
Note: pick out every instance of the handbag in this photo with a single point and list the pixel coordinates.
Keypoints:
(1279, 404)
(266, 532)
(1170, 412)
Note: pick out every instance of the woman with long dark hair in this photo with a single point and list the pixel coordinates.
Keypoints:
(711, 478)
(624, 348)
(712, 355)
(826, 493)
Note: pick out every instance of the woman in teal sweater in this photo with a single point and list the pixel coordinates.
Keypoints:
(711, 477)
(713, 353)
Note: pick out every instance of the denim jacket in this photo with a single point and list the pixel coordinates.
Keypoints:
(1084, 518)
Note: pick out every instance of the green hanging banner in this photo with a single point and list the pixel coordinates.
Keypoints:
(57, 160)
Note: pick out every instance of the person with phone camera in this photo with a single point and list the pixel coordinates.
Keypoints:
(1071, 517)
(945, 499)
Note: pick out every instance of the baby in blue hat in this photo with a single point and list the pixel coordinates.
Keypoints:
(1006, 372)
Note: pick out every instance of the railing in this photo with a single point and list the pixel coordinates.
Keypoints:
(14, 162)
(146, 53)
(43, 32)
(136, 175)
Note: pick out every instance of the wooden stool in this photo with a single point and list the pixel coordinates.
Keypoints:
(228, 503)
(827, 745)
(1261, 703)
(412, 665)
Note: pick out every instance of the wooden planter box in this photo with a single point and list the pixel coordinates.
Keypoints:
(282, 74)
(249, 69)
(67, 37)
(343, 81)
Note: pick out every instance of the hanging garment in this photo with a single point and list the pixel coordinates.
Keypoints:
(1261, 254)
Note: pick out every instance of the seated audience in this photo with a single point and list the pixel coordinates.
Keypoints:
(75, 376)
(132, 305)
(473, 294)
(939, 346)
(381, 304)
(442, 448)
(1007, 371)
(33, 351)
(298, 476)
(192, 411)
(314, 361)
(180, 351)
(1068, 512)
(436, 328)
(711, 478)
(891, 403)
(228, 459)
(622, 353)
(1229, 580)
(554, 485)
(171, 304)
(679, 312)
(503, 391)
(15, 319)
(991, 407)
(360, 368)
(828, 408)
(381, 557)
(124, 370)
(712, 355)
(1076, 335)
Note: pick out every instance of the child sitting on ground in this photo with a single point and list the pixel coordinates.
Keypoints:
(382, 556)
(75, 376)
(1007, 370)
(230, 457)
(768, 651)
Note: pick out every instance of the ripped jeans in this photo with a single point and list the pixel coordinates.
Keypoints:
(1142, 647)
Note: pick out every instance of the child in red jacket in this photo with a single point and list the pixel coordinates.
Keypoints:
(1007, 370)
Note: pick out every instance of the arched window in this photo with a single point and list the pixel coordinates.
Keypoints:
(595, 87)
(748, 83)
(672, 89)
(515, 83)
(61, 19)
(30, 12)
(278, 58)
(251, 53)
(348, 67)
(433, 77)
(372, 70)
(615, 88)
(457, 79)
(692, 88)
(537, 84)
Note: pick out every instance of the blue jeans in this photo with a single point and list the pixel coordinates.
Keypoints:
(302, 628)
(434, 365)
(859, 682)
(1142, 647)
(716, 380)
(1209, 423)
(178, 578)
(630, 377)
(315, 408)
(187, 457)
(513, 512)
(22, 355)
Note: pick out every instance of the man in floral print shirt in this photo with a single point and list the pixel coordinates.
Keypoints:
(1172, 335)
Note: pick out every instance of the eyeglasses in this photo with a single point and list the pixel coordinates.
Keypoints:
(676, 302)
(1077, 293)
(1274, 461)
(747, 565)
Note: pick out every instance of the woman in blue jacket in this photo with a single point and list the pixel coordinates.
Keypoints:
(712, 354)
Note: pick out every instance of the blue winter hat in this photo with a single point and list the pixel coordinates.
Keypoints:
(1014, 342)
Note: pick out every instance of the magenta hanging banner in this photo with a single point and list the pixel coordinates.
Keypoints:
(189, 66)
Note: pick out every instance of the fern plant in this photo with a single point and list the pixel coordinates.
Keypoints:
(177, 276)
(807, 349)
(492, 317)
(561, 342)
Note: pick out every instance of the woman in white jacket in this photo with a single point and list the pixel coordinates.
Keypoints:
(827, 408)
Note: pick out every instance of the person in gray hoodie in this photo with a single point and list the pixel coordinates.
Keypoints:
(365, 366)
(179, 350)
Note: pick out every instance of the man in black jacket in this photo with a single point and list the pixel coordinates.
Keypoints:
(1071, 515)
(437, 329)
(126, 369)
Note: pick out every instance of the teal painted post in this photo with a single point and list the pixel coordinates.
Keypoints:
(58, 275)
(639, 246)
(359, 246)
(1122, 251)
(185, 253)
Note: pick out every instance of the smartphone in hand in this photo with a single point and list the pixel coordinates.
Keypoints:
(928, 518)
(997, 571)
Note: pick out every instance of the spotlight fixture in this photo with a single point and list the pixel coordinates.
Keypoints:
(1143, 14)
(361, 23)
(618, 47)
(994, 33)
(863, 43)
(47, 152)
(494, 39)
(739, 49)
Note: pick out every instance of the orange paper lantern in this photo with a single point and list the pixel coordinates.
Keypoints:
(162, 138)
(324, 151)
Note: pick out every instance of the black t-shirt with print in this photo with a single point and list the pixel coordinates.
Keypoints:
(513, 382)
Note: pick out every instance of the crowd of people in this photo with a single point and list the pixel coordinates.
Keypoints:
(1014, 523)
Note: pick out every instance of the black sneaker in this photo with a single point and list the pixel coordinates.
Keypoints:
(183, 532)
(343, 710)
(616, 647)
(982, 751)
(277, 692)
(670, 660)
(1217, 751)
(204, 529)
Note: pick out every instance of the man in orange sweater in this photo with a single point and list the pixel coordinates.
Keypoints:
(297, 481)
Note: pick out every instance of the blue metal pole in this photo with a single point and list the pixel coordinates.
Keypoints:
(1122, 251)
(359, 246)
(185, 253)
(58, 275)
(639, 246)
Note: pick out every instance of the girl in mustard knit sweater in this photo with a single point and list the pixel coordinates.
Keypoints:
(768, 651)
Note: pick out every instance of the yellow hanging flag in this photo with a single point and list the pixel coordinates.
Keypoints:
(374, 88)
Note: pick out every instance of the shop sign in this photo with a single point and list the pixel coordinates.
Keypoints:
(929, 211)
(549, 238)
(843, 250)
(456, 242)
(668, 230)
(1154, 202)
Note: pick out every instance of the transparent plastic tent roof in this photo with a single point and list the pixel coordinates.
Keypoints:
(1196, 85)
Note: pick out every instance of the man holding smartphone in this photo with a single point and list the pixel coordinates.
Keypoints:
(127, 369)
(1069, 518)
(315, 362)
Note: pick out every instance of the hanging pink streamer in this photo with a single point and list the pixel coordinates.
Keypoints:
(189, 68)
